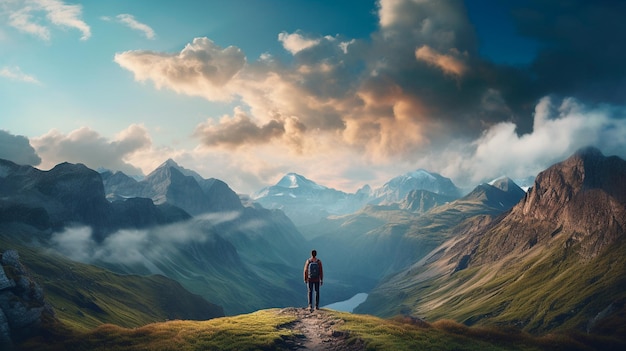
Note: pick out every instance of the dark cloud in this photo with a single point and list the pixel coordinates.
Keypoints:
(583, 47)
(17, 148)
(238, 130)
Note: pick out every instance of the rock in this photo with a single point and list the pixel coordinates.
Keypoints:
(5, 282)
(5, 332)
(22, 303)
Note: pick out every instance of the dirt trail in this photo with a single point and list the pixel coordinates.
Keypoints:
(318, 331)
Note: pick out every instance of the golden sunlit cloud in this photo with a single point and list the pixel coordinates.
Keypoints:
(200, 69)
(449, 64)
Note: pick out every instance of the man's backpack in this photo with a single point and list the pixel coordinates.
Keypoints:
(314, 269)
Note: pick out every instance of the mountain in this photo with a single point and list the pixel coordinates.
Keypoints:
(501, 193)
(72, 193)
(306, 202)
(420, 201)
(242, 258)
(176, 186)
(399, 187)
(381, 240)
(554, 262)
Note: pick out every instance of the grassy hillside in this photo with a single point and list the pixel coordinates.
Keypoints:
(276, 329)
(85, 296)
(550, 288)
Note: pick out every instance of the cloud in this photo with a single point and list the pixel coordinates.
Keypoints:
(449, 64)
(131, 22)
(295, 42)
(17, 148)
(141, 246)
(201, 68)
(15, 73)
(559, 130)
(388, 102)
(237, 130)
(86, 146)
(35, 17)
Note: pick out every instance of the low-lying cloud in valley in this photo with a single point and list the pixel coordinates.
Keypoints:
(139, 247)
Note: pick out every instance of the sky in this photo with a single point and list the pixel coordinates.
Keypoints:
(346, 93)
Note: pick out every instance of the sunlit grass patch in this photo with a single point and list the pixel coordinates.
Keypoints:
(402, 334)
(255, 331)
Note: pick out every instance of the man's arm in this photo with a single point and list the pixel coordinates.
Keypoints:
(321, 271)
(306, 271)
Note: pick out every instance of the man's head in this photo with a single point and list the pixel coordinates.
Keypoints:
(314, 253)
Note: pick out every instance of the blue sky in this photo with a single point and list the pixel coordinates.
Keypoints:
(346, 93)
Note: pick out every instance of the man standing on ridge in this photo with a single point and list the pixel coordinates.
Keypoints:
(313, 277)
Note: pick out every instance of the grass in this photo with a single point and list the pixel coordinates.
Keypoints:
(266, 330)
(554, 291)
(255, 331)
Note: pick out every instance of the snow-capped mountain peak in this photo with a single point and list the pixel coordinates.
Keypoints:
(421, 174)
(293, 180)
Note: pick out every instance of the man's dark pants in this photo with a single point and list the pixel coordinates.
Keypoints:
(316, 286)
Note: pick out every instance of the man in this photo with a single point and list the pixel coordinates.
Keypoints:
(314, 277)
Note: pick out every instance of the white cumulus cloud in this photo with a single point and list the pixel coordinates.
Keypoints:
(295, 42)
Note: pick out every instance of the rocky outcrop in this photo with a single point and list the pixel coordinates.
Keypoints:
(584, 195)
(22, 303)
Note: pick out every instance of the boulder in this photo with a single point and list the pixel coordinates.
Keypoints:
(22, 303)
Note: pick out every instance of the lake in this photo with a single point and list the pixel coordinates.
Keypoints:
(348, 305)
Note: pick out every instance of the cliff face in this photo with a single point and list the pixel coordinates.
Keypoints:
(583, 198)
(585, 194)
(22, 303)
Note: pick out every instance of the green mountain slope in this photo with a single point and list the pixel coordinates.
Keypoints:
(84, 296)
(241, 260)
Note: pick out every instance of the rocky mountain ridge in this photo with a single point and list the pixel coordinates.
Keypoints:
(172, 184)
(72, 193)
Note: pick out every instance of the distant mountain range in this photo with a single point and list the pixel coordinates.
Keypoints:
(306, 202)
